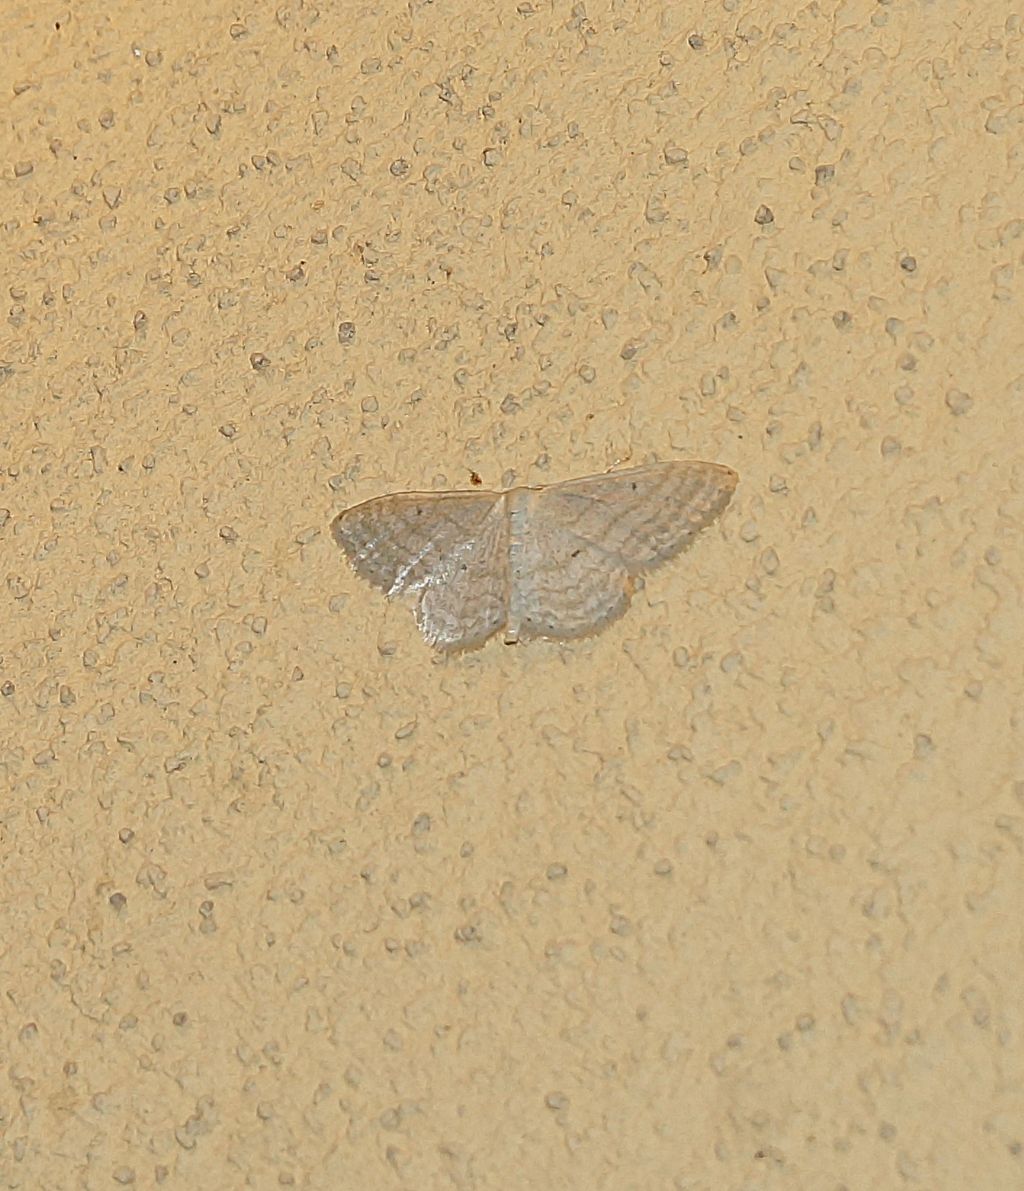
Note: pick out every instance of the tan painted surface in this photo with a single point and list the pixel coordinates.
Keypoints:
(728, 897)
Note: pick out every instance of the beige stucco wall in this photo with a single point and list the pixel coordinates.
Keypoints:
(727, 897)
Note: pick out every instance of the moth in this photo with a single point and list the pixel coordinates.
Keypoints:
(558, 561)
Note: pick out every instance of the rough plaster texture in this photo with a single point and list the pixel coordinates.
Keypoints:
(726, 898)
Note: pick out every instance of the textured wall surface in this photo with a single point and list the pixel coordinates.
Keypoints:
(727, 898)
